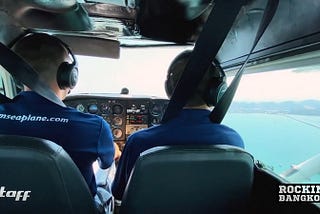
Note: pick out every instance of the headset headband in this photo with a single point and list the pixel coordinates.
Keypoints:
(63, 44)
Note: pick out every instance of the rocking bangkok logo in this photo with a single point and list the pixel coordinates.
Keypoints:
(299, 193)
(17, 195)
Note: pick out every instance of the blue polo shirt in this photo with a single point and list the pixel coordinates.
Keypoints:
(85, 137)
(191, 126)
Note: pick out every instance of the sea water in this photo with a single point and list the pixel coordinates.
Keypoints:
(279, 141)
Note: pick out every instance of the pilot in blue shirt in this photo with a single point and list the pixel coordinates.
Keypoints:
(85, 137)
(191, 126)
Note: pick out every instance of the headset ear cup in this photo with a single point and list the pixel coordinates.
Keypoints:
(220, 91)
(74, 77)
(216, 86)
(166, 88)
(214, 92)
(67, 76)
(169, 84)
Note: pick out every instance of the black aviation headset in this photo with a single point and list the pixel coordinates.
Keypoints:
(216, 83)
(67, 73)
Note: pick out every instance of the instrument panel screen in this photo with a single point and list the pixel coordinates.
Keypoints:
(125, 115)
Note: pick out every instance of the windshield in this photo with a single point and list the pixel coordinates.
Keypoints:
(277, 113)
(141, 70)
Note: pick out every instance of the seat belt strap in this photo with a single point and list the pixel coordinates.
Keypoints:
(24, 73)
(4, 99)
(224, 103)
(206, 48)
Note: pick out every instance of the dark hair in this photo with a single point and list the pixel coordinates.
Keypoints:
(174, 73)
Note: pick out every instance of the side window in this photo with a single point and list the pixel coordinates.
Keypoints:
(277, 115)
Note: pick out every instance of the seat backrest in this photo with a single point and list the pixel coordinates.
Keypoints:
(38, 176)
(190, 179)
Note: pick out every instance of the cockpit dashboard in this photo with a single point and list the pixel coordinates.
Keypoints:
(125, 113)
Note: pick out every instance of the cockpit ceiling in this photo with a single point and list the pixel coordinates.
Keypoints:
(107, 18)
(295, 26)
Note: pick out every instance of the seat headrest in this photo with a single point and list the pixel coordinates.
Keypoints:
(38, 176)
(190, 179)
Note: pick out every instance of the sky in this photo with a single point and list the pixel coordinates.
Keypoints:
(145, 73)
(279, 86)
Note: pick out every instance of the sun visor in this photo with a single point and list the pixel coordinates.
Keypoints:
(287, 35)
(89, 45)
(172, 20)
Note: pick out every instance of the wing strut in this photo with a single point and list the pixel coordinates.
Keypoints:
(223, 105)
(206, 48)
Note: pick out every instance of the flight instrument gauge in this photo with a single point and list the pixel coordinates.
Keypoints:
(117, 109)
(80, 107)
(117, 133)
(93, 108)
(117, 121)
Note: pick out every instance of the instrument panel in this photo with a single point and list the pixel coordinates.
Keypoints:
(125, 114)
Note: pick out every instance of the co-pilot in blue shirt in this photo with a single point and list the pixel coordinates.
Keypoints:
(85, 137)
(189, 127)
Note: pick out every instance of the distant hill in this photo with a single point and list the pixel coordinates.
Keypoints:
(305, 107)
